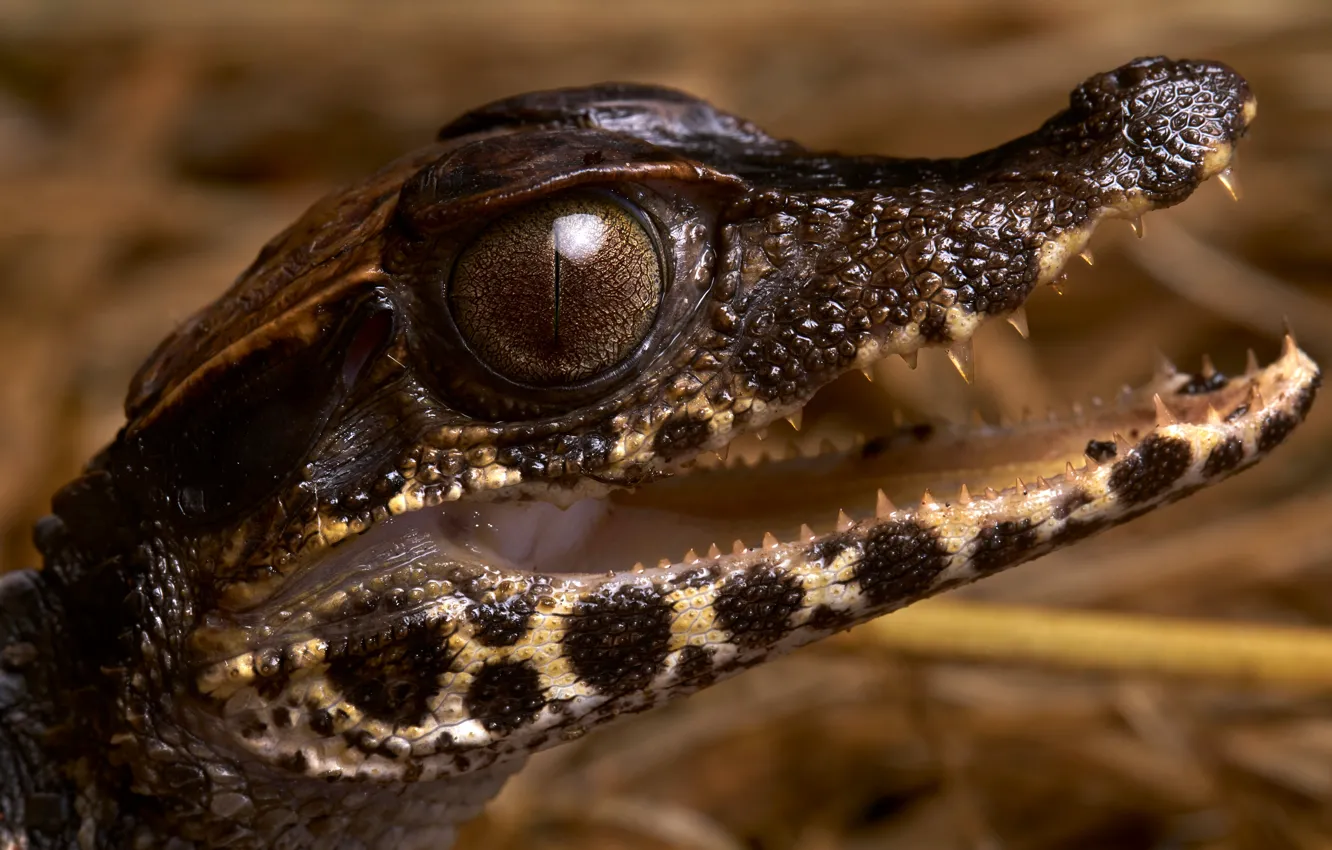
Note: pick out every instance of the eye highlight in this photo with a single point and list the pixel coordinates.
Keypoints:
(558, 292)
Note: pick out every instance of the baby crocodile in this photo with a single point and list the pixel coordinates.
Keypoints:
(408, 502)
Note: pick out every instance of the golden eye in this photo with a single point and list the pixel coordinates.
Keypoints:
(559, 291)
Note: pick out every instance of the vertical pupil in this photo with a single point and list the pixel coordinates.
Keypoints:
(577, 237)
(558, 291)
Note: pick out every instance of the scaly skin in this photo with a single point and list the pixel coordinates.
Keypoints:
(265, 618)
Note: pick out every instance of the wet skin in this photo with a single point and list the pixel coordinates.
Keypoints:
(409, 501)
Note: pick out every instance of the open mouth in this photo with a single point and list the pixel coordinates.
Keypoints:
(495, 614)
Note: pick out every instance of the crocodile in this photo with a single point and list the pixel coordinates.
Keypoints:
(407, 503)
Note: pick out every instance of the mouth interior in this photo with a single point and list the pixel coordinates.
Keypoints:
(777, 485)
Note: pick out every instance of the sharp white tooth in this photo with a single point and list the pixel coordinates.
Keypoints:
(869, 376)
(1018, 319)
(927, 500)
(664, 562)
(1041, 483)
(911, 358)
(761, 434)
(963, 495)
(1213, 415)
(1288, 346)
(883, 506)
(1122, 445)
(843, 521)
(1208, 368)
(796, 419)
(769, 541)
(1136, 224)
(638, 567)
(963, 357)
(990, 494)
(723, 453)
(1226, 177)
(1250, 363)
(1255, 397)
(1069, 471)
(1021, 485)
(806, 533)
(1163, 415)
(713, 551)
(738, 547)
(1087, 256)
(690, 557)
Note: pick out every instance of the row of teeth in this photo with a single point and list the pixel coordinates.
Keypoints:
(884, 507)
(962, 356)
(792, 447)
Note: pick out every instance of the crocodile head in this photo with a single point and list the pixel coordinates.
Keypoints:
(426, 489)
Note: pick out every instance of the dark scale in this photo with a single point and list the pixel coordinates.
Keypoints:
(1223, 457)
(1002, 543)
(755, 606)
(1150, 469)
(617, 640)
(901, 560)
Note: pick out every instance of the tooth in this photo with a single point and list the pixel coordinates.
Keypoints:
(1213, 415)
(1058, 290)
(963, 497)
(962, 355)
(1121, 445)
(911, 358)
(1087, 256)
(843, 521)
(990, 494)
(1288, 346)
(1041, 483)
(927, 500)
(1163, 415)
(1091, 466)
(761, 433)
(638, 567)
(1255, 397)
(713, 551)
(806, 533)
(1021, 485)
(869, 376)
(1165, 367)
(1136, 224)
(723, 453)
(1250, 363)
(769, 542)
(1208, 367)
(690, 557)
(1226, 177)
(1069, 471)
(664, 562)
(1018, 319)
(796, 419)
(883, 505)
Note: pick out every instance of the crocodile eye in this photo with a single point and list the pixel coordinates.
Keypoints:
(558, 292)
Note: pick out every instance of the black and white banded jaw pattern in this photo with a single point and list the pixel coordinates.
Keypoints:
(499, 663)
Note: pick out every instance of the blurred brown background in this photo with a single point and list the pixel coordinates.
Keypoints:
(148, 149)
